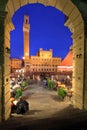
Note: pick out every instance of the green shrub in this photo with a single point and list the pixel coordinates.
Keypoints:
(18, 93)
(50, 84)
(61, 92)
(23, 84)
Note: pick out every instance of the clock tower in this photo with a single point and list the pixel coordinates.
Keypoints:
(26, 30)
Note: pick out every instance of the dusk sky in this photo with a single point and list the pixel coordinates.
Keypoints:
(47, 31)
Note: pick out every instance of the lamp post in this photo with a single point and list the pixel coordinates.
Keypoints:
(22, 66)
(23, 63)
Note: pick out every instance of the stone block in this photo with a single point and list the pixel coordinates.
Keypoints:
(32, 1)
(68, 7)
(61, 4)
(23, 2)
(16, 4)
(44, 2)
(7, 80)
(51, 2)
(10, 8)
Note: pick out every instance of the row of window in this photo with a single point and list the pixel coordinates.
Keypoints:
(18, 65)
(46, 59)
(44, 65)
(44, 70)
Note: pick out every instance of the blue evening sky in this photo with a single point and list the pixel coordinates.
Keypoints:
(47, 31)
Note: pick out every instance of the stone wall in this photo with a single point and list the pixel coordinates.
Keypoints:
(75, 24)
(0, 91)
(85, 77)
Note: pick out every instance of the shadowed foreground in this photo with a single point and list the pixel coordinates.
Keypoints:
(47, 112)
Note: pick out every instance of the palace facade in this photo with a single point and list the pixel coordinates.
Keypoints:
(42, 62)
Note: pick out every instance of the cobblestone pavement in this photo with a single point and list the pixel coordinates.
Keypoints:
(47, 112)
(43, 103)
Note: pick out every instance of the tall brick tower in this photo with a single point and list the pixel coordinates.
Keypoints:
(26, 30)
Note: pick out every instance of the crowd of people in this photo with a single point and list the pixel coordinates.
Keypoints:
(18, 104)
(63, 86)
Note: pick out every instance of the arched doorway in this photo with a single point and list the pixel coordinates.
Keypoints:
(76, 25)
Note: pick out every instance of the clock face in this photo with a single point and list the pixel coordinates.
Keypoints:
(25, 29)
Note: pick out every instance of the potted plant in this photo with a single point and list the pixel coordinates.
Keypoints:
(61, 92)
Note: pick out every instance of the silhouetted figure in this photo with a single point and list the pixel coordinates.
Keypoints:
(22, 106)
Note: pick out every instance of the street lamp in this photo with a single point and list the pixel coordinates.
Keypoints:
(23, 63)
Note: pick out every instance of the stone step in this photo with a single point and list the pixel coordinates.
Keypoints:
(74, 118)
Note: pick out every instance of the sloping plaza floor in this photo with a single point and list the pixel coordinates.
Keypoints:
(47, 112)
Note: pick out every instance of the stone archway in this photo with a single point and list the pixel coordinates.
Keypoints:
(75, 24)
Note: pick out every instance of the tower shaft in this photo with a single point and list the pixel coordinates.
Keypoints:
(26, 30)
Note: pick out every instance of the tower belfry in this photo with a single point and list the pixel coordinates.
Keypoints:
(26, 30)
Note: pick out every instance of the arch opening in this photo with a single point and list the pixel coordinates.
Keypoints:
(37, 26)
(76, 25)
